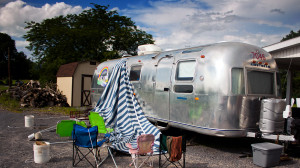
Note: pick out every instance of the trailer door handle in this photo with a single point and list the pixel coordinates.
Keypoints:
(166, 89)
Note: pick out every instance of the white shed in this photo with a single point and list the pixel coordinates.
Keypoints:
(74, 80)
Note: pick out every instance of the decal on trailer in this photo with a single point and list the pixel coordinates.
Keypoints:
(258, 58)
(103, 77)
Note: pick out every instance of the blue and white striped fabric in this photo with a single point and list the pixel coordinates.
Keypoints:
(120, 110)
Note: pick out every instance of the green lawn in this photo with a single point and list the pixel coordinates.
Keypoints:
(2, 87)
(8, 103)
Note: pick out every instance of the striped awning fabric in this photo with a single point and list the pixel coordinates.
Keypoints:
(121, 111)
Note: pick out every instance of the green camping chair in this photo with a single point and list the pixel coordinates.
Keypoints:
(64, 128)
(97, 120)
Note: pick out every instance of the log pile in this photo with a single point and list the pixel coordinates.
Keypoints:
(32, 95)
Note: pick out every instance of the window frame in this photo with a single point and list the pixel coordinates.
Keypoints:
(183, 85)
(260, 94)
(243, 80)
(185, 79)
(140, 72)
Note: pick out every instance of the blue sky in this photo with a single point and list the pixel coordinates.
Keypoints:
(173, 23)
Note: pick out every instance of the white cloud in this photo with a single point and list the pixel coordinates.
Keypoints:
(20, 45)
(115, 9)
(14, 15)
(182, 23)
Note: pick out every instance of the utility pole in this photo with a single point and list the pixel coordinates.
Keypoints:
(8, 65)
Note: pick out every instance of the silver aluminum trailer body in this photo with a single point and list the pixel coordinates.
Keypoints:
(214, 89)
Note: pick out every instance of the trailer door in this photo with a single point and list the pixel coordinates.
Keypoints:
(182, 95)
(162, 85)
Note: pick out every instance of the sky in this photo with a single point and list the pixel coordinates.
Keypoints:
(174, 24)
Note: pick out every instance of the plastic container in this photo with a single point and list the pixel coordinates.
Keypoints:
(298, 102)
(29, 121)
(41, 152)
(266, 154)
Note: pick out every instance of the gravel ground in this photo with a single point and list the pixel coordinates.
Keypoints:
(202, 151)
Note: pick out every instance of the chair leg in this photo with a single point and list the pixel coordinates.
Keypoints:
(159, 158)
(184, 160)
(137, 161)
(146, 161)
(134, 160)
(111, 155)
(77, 154)
(73, 158)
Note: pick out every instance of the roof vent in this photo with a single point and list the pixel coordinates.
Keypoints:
(148, 49)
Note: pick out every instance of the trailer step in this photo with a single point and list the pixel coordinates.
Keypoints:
(272, 137)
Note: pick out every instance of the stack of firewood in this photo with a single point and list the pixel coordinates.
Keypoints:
(32, 95)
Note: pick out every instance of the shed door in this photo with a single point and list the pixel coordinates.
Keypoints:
(162, 87)
(86, 81)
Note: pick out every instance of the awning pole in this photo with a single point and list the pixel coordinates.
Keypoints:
(289, 87)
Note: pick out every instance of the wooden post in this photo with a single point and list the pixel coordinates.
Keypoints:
(8, 68)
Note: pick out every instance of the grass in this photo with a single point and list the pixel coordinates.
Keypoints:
(10, 104)
(2, 87)
(57, 110)
(13, 82)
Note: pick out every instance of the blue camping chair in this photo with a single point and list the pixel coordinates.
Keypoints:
(87, 138)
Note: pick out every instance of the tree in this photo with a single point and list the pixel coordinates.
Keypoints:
(6, 43)
(20, 65)
(291, 35)
(95, 34)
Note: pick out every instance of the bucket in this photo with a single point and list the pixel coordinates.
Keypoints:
(41, 152)
(298, 102)
(29, 121)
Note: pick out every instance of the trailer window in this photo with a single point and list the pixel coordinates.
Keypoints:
(183, 88)
(135, 73)
(237, 81)
(260, 82)
(185, 70)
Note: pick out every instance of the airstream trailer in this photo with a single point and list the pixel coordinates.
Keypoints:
(214, 89)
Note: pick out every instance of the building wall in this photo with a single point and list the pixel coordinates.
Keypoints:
(83, 68)
(64, 84)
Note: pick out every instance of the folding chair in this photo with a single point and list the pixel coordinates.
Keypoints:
(87, 138)
(96, 120)
(173, 149)
(145, 144)
(64, 128)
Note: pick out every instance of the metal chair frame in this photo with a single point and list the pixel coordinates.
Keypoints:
(77, 153)
(166, 162)
(94, 149)
(144, 147)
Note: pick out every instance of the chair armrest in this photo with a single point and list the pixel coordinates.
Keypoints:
(106, 135)
(100, 143)
(130, 146)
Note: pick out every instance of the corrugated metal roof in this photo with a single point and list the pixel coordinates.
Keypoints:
(286, 53)
(282, 45)
(67, 70)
